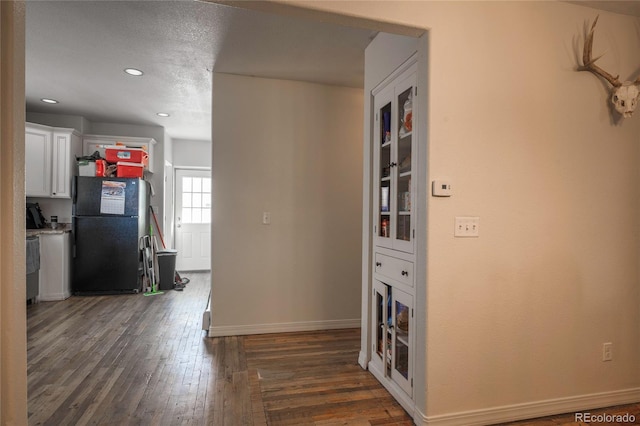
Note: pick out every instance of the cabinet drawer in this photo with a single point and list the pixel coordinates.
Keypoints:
(394, 268)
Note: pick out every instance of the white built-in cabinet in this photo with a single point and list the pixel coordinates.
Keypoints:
(394, 164)
(50, 160)
(393, 242)
(393, 335)
(93, 143)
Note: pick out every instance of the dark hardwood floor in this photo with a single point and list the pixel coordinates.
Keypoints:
(144, 360)
(313, 378)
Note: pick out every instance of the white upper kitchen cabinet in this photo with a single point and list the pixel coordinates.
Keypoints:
(50, 160)
(37, 155)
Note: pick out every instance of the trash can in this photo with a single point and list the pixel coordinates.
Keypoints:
(166, 268)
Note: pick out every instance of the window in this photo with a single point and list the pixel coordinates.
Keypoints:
(196, 200)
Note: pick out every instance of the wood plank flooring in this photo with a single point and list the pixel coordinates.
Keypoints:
(313, 378)
(124, 359)
(144, 360)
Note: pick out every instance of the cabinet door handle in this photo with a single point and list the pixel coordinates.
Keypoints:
(393, 164)
(378, 264)
(405, 273)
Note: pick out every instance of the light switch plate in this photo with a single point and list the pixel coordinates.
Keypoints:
(467, 227)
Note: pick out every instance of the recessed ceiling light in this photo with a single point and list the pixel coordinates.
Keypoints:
(162, 114)
(49, 101)
(133, 71)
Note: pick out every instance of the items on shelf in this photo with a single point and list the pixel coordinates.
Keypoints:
(407, 116)
(120, 161)
(129, 170)
(384, 199)
(386, 129)
(405, 164)
(120, 153)
(402, 317)
(405, 201)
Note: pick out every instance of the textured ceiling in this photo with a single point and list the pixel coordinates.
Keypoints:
(76, 52)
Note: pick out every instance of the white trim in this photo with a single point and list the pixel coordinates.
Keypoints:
(413, 59)
(395, 390)
(363, 359)
(206, 320)
(282, 327)
(54, 297)
(530, 410)
(206, 315)
(206, 168)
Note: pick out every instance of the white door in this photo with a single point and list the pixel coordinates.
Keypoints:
(193, 219)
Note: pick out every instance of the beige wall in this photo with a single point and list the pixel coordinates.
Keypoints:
(293, 149)
(520, 314)
(13, 334)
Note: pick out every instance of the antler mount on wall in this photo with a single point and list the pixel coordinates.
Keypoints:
(624, 95)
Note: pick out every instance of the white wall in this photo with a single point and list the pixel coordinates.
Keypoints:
(191, 153)
(519, 315)
(293, 149)
(77, 122)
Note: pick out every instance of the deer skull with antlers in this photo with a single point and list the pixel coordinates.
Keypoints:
(624, 95)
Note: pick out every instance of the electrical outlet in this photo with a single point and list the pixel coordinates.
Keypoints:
(467, 227)
(607, 351)
(266, 218)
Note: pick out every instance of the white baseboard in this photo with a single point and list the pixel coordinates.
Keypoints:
(529, 410)
(206, 320)
(284, 327)
(398, 394)
(362, 359)
(53, 297)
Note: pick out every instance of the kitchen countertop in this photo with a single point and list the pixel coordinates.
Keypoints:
(62, 228)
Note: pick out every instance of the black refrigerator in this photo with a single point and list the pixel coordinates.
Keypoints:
(109, 217)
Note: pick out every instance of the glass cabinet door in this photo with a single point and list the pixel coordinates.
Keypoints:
(402, 346)
(381, 322)
(404, 165)
(394, 158)
(392, 333)
(383, 161)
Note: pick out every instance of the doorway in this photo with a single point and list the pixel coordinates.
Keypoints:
(193, 219)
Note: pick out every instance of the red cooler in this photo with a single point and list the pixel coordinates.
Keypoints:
(116, 153)
(129, 170)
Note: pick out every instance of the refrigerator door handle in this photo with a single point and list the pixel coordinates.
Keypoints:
(74, 195)
(73, 237)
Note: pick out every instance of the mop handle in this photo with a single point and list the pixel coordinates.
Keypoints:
(155, 219)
